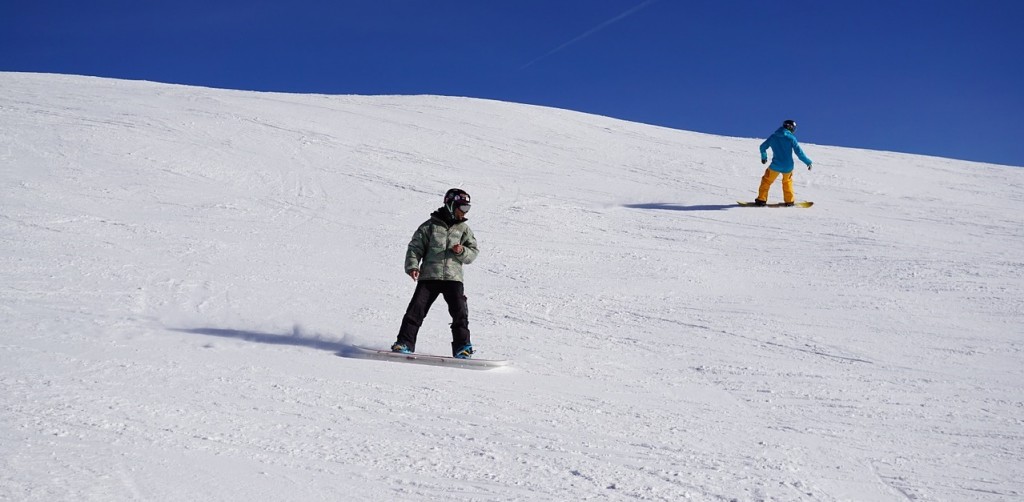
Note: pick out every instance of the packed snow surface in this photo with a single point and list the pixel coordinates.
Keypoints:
(183, 269)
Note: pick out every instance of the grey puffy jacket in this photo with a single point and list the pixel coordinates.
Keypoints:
(430, 250)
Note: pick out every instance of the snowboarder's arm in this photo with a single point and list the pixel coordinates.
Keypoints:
(800, 153)
(764, 151)
(417, 248)
(468, 249)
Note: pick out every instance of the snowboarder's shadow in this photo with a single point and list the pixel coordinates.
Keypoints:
(662, 206)
(296, 338)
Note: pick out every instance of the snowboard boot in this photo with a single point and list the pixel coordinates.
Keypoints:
(759, 202)
(788, 204)
(466, 352)
(401, 348)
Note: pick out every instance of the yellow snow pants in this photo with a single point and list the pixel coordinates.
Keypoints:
(769, 178)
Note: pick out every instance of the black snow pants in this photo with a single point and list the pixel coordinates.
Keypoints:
(423, 298)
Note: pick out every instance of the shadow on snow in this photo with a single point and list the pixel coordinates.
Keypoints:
(295, 338)
(676, 207)
(342, 348)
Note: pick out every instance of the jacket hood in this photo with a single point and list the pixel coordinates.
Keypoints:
(444, 216)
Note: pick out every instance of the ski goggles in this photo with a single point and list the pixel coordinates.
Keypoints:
(464, 208)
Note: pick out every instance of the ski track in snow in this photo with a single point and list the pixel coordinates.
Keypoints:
(181, 267)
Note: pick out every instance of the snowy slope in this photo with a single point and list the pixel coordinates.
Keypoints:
(181, 267)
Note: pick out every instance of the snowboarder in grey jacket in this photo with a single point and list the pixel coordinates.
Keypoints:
(434, 259)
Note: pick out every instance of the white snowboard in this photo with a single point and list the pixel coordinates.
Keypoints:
(480, 364)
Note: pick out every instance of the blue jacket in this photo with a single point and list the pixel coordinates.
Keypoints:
(783, 144)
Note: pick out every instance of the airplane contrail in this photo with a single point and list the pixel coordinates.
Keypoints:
(592, 31)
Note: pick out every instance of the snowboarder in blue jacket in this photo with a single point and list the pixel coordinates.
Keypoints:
(783, 144)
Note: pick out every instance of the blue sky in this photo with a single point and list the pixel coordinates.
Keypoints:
(942, 77)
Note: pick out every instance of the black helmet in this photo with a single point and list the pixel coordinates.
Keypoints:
(789, 124)
(454, 198)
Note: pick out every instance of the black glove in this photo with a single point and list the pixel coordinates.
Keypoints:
(764, 161)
